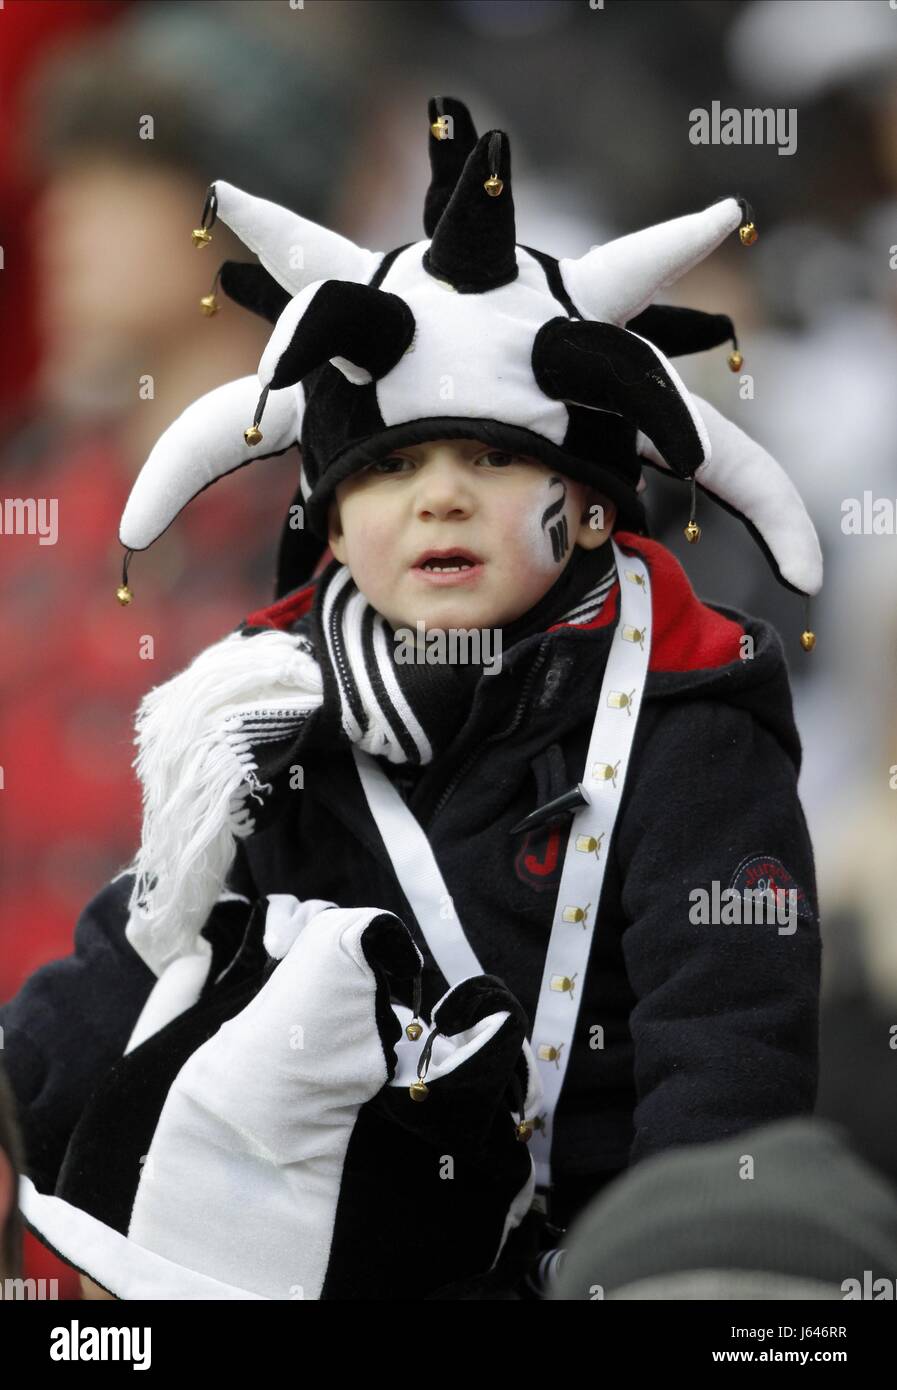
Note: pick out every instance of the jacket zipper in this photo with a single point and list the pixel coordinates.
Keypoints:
(447, 791)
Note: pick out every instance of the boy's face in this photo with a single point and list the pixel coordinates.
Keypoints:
(510, 521)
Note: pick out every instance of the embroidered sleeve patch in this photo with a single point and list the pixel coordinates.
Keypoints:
(762, 871)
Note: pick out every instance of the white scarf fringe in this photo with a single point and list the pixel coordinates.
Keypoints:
(197, 770)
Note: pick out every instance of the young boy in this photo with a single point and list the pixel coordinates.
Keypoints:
(582, 817)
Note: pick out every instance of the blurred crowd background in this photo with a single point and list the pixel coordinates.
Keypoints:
(322, 106)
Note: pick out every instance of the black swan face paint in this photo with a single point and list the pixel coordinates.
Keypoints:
(555, 523)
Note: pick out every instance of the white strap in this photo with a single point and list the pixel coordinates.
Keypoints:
(582, 878)
(417, 872)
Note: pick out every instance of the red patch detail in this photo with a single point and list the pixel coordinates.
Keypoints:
(536, 861)
(285, 611)
(688, 636)
(762, 871)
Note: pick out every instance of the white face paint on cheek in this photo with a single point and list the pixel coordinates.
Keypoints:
(539, 551)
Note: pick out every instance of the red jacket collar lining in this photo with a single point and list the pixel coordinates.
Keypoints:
(688, 636)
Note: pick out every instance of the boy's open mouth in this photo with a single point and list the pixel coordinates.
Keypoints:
(454, 565)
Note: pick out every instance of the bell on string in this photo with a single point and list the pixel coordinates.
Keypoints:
(808, 636)
(202, 234)
(748, 233)
(123, 593)
(493, 185)
(524, 1131)
(692, 531)
(253, 434)
(413, 1029)
(209, 305)
(735, 360)
(419, 1090)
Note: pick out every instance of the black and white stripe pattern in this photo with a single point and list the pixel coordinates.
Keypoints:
(374, 710)
(377, 697)
(590, 605)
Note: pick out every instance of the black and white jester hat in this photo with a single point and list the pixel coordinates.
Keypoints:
(466, 333)
(295, 1134)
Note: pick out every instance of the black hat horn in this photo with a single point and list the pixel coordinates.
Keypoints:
(473, 244)
(452, 137)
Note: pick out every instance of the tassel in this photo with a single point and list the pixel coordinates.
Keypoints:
(253, 434)
(523, 1129)
(748, 230)
(123, 593)
(209, 302)
(419, 1090)
(692, 531)
(494, 185)
(202, 234)
(807, 637)
(413, 1029)
(195, 766)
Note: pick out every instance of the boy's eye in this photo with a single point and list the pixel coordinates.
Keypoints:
(392, 464)
(396, 463)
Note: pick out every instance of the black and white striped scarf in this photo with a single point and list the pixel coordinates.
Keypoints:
(407, 712)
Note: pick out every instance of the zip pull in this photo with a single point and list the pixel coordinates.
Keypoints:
(569, 802)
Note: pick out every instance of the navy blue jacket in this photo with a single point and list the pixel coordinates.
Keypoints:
(708, 1030)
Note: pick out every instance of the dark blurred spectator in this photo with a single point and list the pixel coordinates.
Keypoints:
(27, 33)
(787, 1211)
(10, 1167)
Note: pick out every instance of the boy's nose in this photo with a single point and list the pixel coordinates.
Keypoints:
(444, 489)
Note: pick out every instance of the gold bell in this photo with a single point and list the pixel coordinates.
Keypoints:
(253, 434)
(524, 1131)
(493, 185)
(123, 593)
(808, 636)
(439, 128)
(209, 305)
(748, 234)
(692, 531)
(736, 361)
(201, 237)
(418, 1090)
(413, 1029)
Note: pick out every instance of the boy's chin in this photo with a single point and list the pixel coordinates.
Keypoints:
(456, 615)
